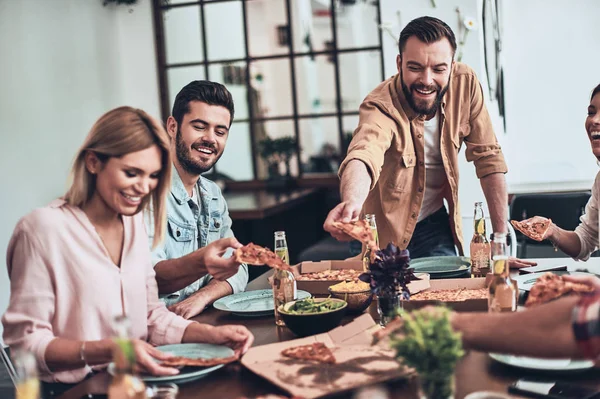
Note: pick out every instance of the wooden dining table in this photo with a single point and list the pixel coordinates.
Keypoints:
(476, 371)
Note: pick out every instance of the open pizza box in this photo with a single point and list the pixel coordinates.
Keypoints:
(320, 287)
(455, 284)
(357, 362)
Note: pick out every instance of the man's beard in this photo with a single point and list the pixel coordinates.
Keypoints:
(422, 108)
(185, 159)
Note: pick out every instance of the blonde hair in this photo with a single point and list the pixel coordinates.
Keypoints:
(117, 133)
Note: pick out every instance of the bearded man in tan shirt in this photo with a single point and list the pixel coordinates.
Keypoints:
(403, 159)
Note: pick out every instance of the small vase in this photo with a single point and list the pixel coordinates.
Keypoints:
(387, 307)
(436, 388)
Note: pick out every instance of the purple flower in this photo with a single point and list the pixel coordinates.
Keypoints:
(390, 271)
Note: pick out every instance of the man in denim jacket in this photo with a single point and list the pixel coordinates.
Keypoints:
(197, 213)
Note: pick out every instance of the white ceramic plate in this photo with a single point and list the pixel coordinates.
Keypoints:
(252, 303)
(533, 363)
(194, 351)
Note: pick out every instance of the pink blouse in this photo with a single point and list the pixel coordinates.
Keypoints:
(64, 284)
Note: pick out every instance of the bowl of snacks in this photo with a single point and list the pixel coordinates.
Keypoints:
(357, 293)
(313, 315)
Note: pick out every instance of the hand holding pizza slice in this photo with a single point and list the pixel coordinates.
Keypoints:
(253, 254)
(535, 228)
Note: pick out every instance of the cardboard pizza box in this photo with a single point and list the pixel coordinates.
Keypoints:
(468, 305)
(358, 363)
(320, 287)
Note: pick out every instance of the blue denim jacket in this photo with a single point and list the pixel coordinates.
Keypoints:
(190, 227)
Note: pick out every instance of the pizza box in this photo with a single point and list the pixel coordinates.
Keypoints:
(358, 363)
(320, 287)
(468, 305)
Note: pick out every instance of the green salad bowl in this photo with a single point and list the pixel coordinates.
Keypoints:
(307, 324)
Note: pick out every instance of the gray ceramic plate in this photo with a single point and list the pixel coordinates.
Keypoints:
(533, 363)
(443, 266)
(194, 351)
(252, 303)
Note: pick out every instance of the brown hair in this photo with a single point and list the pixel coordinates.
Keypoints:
(117, 133)
(428, 30)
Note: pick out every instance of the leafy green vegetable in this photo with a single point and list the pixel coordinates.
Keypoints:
(308, 306)
(428, 343)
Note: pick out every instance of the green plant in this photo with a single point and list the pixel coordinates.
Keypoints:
(275, 151)
(427, 342)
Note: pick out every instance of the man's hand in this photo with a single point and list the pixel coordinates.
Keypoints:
(344, 212)
(211, 256)
(516, 263)
(237, 337)
(190, 306)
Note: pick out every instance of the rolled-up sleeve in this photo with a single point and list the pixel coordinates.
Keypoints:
(28, 320)
(238, 281)
(371, 139)
(482, 146)
(587, 231)
(164, 326)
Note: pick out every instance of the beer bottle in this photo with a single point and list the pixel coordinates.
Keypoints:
(370, 219)
(480, 246)
(284, 283)
(124, 385)
(503, 292)
(27, 381)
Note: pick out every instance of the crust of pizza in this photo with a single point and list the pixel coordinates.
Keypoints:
(253, 254)
(551, 286)
(533, 230)
(181, 361)
(316, 351)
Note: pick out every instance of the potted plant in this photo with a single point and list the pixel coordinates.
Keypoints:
(388, 275)
(275, 152)
(424, 339)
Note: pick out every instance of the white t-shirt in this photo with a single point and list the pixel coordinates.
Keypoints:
(435, 176)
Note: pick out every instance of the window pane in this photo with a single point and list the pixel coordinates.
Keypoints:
(233, 76)
(320, 145)
(273, 130)
(183, 34)
(225, 30)
(360, 73)
(315, 88)
(236, 161)
(357, 25)
(267, 31)
(349, 125)
(311, 23)
(181, 76)
(271, 87)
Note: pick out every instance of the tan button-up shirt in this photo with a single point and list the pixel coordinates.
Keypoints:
(389, 140)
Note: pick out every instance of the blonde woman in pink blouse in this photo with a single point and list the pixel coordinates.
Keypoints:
(83, 259)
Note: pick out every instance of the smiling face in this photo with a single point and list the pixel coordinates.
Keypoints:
(592, 124)
(124, 183)
(200, 139)
(425, 72)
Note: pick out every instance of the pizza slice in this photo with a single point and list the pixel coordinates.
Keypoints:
(316, 351)
(181, 361)
(551, 286)
(534, 230)
(359, 230)
(253, 254)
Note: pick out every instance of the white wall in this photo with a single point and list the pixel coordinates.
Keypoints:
(551, 61)
(64, 63)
